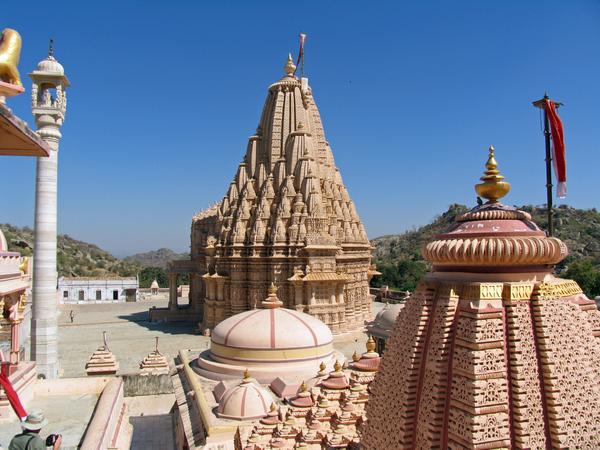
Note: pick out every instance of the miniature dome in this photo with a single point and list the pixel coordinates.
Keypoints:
(154, 285)
(246, 401)
(273, 341)
(50, 65)
(386, 318)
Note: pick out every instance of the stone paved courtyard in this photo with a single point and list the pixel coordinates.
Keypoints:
(131, 337)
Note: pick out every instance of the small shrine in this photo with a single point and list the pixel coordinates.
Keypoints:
(102, 361)
(155, 363)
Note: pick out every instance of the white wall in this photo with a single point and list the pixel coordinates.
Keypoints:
(90, 286)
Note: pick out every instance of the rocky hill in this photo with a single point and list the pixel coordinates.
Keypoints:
(74, 258)
(157, 258)
(578, 228)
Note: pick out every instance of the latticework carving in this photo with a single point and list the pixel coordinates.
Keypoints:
(524, 370)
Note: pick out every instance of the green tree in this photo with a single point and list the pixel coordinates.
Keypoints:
(184, 278)
(586, 276)
(148, 274)
(404, 276)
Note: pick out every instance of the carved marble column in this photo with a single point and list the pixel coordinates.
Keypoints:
(49, 115)
(173, 277)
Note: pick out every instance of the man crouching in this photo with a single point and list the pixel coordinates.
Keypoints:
(29, 439)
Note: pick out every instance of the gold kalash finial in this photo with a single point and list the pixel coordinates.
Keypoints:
(492, 187)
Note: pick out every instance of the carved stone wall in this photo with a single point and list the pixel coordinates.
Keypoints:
(489, 365)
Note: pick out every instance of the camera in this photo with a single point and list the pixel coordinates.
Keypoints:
(50, 440)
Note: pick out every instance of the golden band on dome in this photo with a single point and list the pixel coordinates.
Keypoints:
(275, 355)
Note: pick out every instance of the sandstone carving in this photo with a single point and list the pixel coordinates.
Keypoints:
(288, 219)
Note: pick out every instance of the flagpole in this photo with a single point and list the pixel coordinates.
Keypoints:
(541, 104)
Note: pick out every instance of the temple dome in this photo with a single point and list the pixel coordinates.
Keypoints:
(154, 285)
(386, 318)
(50, 65)
(272, 342)
(245, 401)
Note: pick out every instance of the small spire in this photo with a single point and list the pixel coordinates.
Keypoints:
(303, 387)
(272, 301)
(51, 51)
(272, 407)
(337, 366)
(322, 366)
(371, 345)
(289, 68)
(246, 375)
(355, 357)
(492, 187)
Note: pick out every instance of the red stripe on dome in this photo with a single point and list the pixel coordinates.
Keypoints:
(226, 400)
(303, 323)
(272, 328)
(261, 395)
(231, 329)
(243, 403)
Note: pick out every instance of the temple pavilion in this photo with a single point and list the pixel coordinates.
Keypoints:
(287, 219)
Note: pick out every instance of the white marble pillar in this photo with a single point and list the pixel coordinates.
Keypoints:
(48, 104)
(44, 326)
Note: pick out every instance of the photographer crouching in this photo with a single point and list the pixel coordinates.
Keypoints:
(29, 439)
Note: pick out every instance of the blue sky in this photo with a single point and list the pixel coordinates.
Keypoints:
(165, 94)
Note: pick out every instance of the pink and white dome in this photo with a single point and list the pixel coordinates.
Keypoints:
(271, 342)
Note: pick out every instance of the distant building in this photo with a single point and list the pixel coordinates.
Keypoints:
(86, 289)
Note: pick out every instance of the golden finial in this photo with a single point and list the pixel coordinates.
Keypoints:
(273, 407)
(23, 265)
(303, 387)
(51, 51)
(322, 366)
(345, 365)
(337, 366)
(371, 345)
(289, 68)
(355, 357)
(492, 187)
(272, 301)
(247, 375)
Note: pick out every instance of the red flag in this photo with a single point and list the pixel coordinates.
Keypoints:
(13, 398)
(302, 37)
(558, 149)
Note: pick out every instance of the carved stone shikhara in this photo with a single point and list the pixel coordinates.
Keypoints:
(491, 351)
(288, 219)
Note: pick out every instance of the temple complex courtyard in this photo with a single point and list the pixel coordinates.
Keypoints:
(131, 337)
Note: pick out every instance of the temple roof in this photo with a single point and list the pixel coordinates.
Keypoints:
(287, 189)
